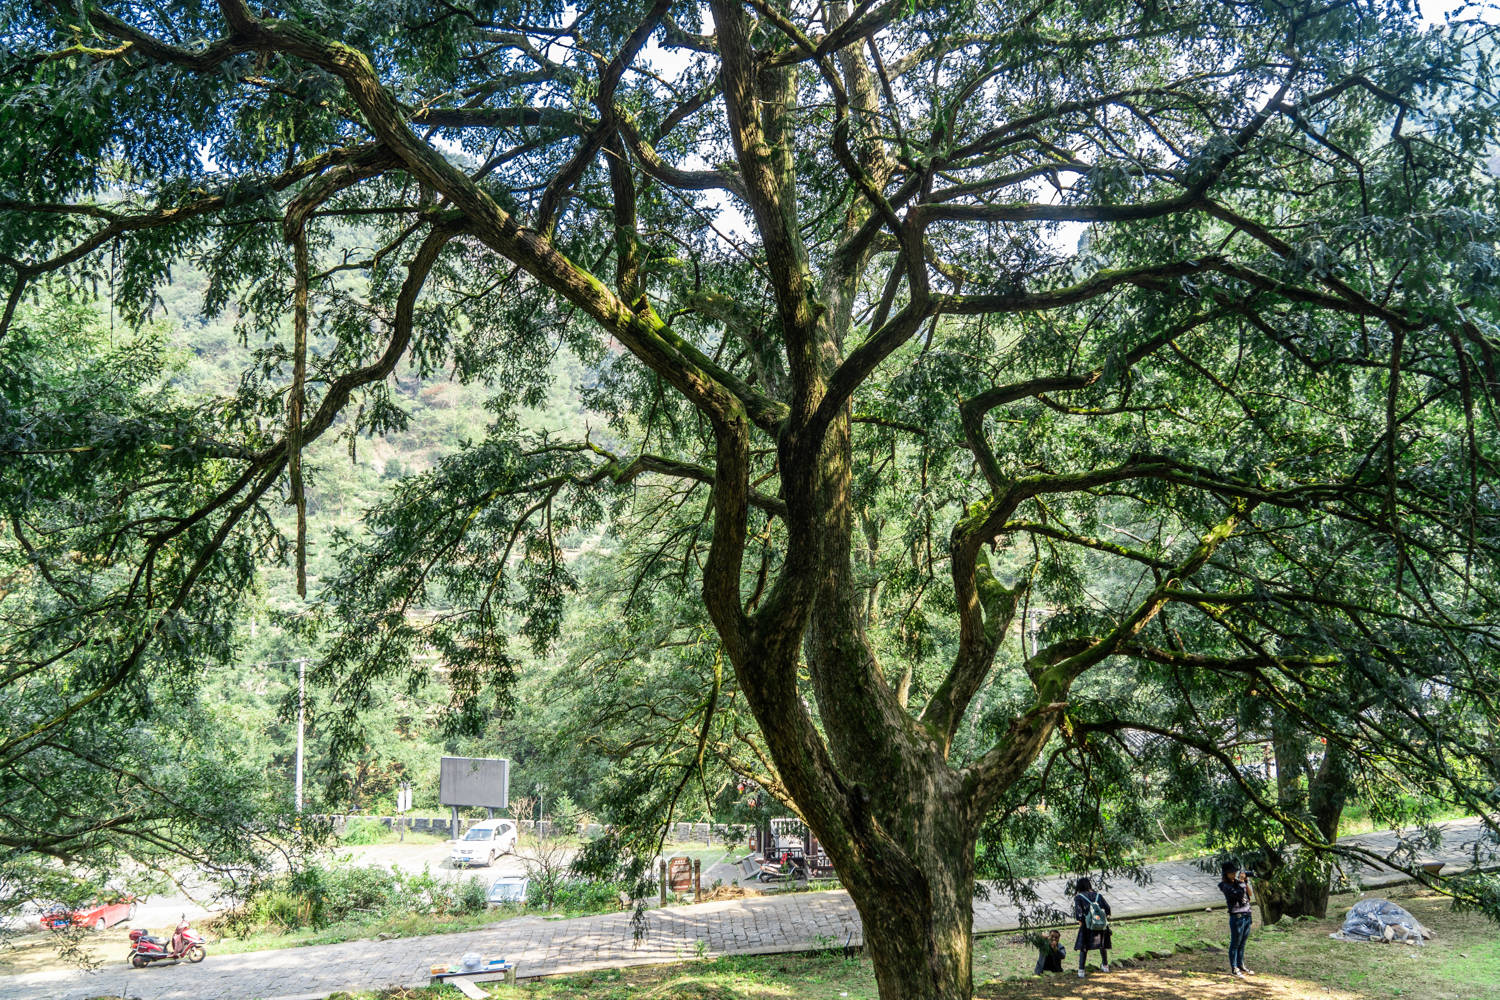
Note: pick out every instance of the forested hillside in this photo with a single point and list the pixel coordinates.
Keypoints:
(346, 478)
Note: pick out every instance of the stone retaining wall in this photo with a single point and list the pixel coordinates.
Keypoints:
(704, 833)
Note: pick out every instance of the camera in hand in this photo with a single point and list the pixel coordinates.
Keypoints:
(1250, 873)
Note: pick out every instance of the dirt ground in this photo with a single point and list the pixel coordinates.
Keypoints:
(38, 951)
(1200, 976)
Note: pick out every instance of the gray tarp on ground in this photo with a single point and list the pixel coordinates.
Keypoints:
(1380, 920)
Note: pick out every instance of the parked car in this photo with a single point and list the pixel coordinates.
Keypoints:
(96, 916)
(508, 889)
(483, 843)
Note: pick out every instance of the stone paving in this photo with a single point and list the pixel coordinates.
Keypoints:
(753, 925)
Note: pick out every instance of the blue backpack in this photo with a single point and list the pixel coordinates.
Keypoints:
(1094, 918)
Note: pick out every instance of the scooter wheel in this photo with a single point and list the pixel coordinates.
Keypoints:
(139, 961)
(196, 953)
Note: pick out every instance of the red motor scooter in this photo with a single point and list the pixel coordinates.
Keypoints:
(185, 943)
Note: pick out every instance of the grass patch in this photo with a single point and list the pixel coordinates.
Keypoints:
(708, 854)
(1188, 847)
(1295, 962)
(362, 831)
(1356, 818)
(1295, 959)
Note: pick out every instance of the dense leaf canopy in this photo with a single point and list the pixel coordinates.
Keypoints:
(1008, 378)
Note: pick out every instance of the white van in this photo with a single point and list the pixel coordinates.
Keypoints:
(483, 843)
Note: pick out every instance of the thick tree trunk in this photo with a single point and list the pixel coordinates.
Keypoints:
(906, 853)
(1302, 888)
(1305, 895)
(920, 956)
(918, 929)
(873, 780)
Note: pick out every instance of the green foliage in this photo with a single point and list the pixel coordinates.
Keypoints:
(319, 895)
(564, 812)
(555, 891)
(1004, 429)
(101, 458)
(359, 831)
(472, 897)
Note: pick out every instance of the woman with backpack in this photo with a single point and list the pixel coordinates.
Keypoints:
(1092, 911)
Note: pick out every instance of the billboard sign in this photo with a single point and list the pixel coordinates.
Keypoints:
(474, 781)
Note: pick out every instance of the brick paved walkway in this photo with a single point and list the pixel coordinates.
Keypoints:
(755, 925)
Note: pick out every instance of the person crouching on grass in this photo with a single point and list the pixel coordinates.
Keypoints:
(1235, 886)
(1092, 912)
(1051, 952)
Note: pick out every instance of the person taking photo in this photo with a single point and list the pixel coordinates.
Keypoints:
(1235, 885)
(1050, 953)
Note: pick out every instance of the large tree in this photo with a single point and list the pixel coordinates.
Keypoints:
(1169, 325)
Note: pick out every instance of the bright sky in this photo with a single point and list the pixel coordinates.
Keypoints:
(1434, 11)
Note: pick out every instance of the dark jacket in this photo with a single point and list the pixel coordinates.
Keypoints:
(1087, 938)
(1236, 895)
(1049, 959)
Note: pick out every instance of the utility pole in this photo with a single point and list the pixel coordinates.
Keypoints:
(301, 720)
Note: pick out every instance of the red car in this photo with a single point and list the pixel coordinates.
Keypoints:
(96, 917)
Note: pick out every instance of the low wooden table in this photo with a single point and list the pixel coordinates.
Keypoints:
(464, 981)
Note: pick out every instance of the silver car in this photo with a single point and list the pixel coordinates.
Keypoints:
(508, 890)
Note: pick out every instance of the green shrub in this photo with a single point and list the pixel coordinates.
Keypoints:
(279, 909)
(425, 893)
(363, 831)
(319, 895)
(565, 813)
(557, 892)
(472, 896)
(348, 890)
